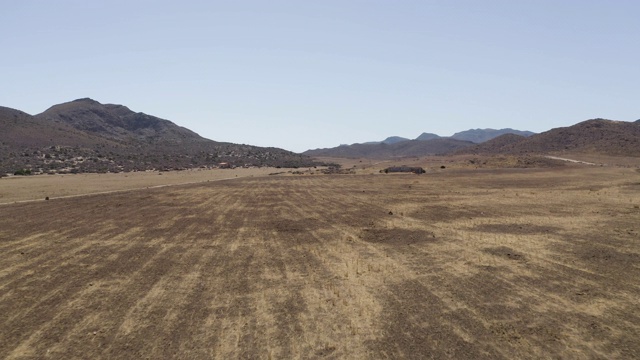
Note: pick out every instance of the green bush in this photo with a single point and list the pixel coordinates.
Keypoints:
(22, 172)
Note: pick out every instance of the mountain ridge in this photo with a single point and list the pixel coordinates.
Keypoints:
(438, 146)
(473, 135)
(597, 136)
(482, 135)
(115, 121)
(602, 136)
(84, 135)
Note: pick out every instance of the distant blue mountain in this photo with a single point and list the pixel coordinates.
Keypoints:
(474, 135)
(394, 139)
(481, 135)
(427, 136)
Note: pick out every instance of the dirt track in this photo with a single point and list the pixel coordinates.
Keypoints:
(469, 264)
(571, 160)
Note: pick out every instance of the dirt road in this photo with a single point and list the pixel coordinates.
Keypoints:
(464, 265)
(570, 160)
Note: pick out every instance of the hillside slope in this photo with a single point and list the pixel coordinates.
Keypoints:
(87, 136)
(20, 129)
(598, 136)
(116, 122)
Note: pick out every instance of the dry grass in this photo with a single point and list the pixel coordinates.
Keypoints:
(469, 264)
(26, 188)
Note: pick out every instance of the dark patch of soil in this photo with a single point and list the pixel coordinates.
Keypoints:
(604, 255)
(528, 229)
(516, 331)
(397, 236)
(288, 315)
(603, 249)
(506, 252)
(325, 351)
(292, 226)
(444, 213)
(418, 325)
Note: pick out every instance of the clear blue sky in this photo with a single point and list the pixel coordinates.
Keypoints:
(308, 74)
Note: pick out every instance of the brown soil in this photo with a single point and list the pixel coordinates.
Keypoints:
(466, 264)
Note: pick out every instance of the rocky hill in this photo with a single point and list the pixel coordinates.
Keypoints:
(87, 136)
(117, 122)
(598, 136)
(20, 129)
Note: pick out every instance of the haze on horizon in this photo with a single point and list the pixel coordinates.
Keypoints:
(302, 75)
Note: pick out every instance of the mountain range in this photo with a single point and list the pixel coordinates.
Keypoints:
(473, 135)
(86, 136)
(597, 136)
(424, 144)
(438, 146)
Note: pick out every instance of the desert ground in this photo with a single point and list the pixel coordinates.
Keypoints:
(459, 263)
(29, 188)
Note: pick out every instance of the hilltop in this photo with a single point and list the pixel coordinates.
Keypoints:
(117, 122)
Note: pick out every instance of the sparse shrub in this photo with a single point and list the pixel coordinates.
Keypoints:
(22, 172)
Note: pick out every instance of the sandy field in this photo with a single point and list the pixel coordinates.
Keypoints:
(26, 188)
(462, 263)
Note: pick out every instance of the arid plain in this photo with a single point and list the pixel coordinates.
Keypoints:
(459, 263)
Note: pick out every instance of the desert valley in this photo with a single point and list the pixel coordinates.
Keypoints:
(133, 241)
